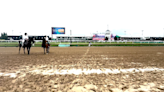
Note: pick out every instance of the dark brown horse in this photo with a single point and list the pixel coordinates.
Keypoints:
(45, 45)
(27, 44)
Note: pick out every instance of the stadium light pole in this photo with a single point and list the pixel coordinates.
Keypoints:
(163, 33)
(125, 32)
(51, 35)
(70, 36)
(107, 27)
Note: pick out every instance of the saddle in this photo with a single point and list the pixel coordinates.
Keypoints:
(26, 42)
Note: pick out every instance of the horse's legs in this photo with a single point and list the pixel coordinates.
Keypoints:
(24, 49)
(48, 50)
(44, 50)
(19, 49)
(28, 49)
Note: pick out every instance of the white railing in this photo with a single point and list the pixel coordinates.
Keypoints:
(86, 41)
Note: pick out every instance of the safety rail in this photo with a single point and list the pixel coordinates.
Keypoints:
(84, 44)
(84, 41)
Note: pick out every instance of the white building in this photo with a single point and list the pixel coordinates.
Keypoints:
(108, 34)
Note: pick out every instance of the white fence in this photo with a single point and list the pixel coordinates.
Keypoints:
(85, 41)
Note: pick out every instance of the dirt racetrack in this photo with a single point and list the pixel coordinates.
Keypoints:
(82, 69)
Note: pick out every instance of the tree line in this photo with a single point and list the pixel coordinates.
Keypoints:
(3, 36)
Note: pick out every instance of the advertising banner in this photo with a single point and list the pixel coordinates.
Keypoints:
(98, 37)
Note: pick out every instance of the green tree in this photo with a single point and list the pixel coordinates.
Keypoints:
(4, 36)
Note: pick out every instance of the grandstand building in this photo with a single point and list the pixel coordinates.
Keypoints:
(73, 38)
(84, 38)
(14, 37)
(81, 38)
(19, 37)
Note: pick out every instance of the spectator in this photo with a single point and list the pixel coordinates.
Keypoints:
(90, 44)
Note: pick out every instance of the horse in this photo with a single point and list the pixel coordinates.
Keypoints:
(27, 44)
(45, 45)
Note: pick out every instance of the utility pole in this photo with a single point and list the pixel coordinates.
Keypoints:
(163, 33)
(125, 32)
(70, 36)
(51, 35)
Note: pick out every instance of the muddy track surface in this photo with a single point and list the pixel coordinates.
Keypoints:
(82, 69)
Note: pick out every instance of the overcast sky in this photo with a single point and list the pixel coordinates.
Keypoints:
(36, 17)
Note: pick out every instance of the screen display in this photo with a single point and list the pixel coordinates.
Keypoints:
(58, 30)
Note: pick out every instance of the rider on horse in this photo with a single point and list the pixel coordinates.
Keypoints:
(47, 39)
(25, 38)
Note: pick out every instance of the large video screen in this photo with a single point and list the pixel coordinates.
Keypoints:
(58, 30)
(98, 37)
